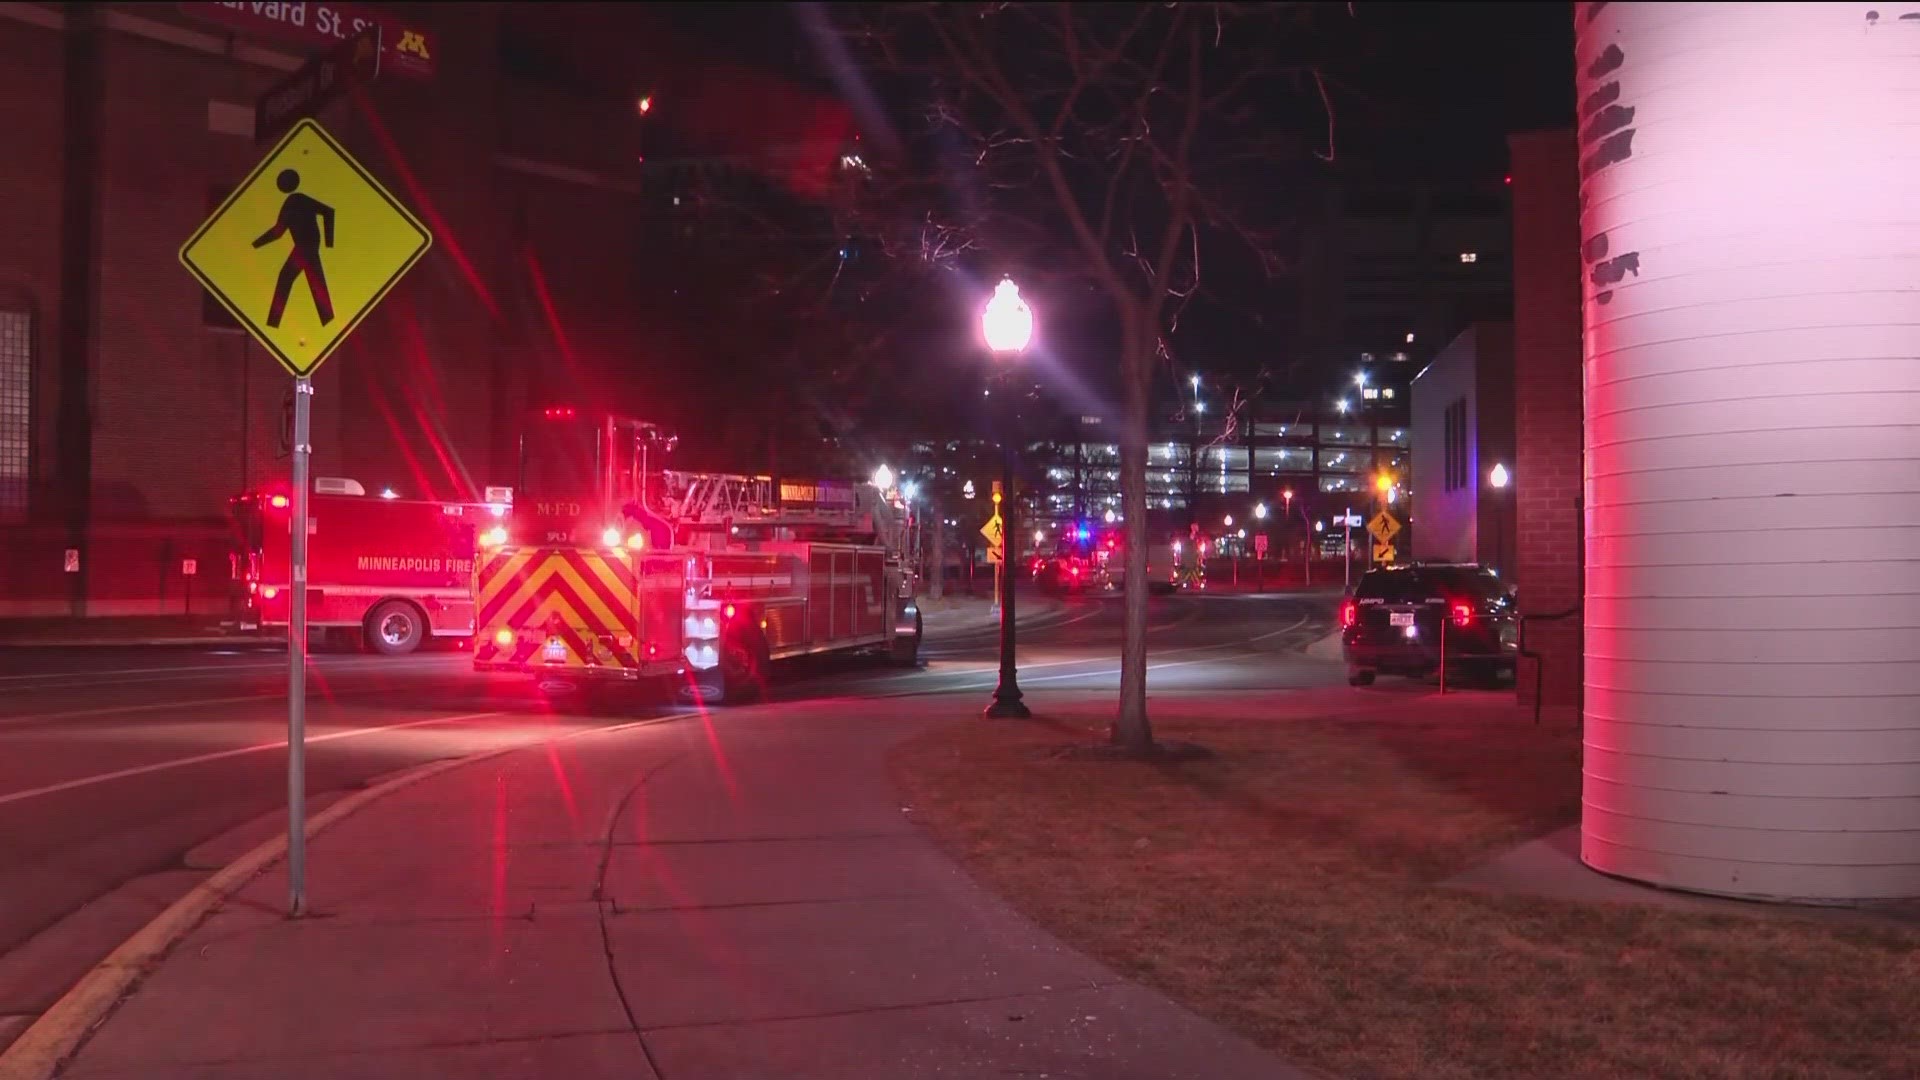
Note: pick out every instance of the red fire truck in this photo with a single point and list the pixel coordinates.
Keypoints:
(394, 572)
(612, 570)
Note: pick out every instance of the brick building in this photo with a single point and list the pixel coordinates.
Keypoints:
(1549, 467)
(130, 407)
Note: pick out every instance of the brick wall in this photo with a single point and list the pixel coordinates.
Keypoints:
(30, 117)
(1548, 470)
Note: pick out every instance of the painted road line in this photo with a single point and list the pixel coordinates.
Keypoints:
(28, 719)
(92, 678)
(222, 755)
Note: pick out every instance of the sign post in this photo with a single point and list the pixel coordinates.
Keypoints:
(308, 215)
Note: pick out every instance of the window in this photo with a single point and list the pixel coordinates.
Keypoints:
(16, 409)
(1274, 460)
(1469, 257)
(1456, 446)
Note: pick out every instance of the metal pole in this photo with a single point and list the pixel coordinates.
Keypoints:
(1346, 549)
(297, 657)
(1446, 616)
(1006, 696)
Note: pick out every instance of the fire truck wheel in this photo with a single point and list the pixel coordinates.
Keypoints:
(906, 650)
(743, 666)
(395, 628)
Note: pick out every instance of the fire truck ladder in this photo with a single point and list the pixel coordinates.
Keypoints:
(710, 502)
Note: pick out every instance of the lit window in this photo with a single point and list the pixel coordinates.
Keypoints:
(1371, 393)
(1469, 256)
(1387, 393)
(16, 410)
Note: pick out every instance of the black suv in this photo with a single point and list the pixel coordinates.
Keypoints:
(1398, 616)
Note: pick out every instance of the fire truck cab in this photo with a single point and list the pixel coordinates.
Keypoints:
(613, 570)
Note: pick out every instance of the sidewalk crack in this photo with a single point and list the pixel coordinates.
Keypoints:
(603, 906)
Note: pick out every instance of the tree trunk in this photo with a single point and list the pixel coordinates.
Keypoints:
(1130, 727)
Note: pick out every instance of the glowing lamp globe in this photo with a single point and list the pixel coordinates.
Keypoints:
(1007, 321)
(1500, 477)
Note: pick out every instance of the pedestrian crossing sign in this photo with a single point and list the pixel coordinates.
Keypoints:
(304, 248)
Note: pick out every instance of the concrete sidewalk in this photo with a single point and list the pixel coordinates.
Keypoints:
(740, 896)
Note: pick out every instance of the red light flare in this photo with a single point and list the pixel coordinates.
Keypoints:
(545, 297)
(379, 397)
(720, 762)
(497, 895)
(566, 787)
(417, 198)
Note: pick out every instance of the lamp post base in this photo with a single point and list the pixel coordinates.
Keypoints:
(1008, 708)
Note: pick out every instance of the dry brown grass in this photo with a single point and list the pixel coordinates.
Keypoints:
(1289, 889)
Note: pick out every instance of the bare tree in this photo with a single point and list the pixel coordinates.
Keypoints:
(1104, 146)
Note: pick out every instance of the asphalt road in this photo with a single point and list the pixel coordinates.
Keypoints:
(117, 762)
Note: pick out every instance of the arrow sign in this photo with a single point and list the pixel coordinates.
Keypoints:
(1384, 553)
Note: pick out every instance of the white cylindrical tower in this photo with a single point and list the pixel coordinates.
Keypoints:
(1750, 229)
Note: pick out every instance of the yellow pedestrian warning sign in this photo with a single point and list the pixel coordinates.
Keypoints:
(995, 532)
(304, 248)
(1383, 527)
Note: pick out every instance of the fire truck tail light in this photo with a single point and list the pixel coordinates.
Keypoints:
(611, 537)
(727, 611)
(278, 502)
(637, 541)
(253, 586)
(269, 592)
(495, 536)
(503, 638)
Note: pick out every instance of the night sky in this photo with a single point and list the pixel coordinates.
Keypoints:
(1420, 91)
(1434, 88)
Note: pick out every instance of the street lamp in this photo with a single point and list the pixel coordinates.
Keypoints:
(1499, 478)
(1007, 326)
(1260, 511)
(1342, 406)
(883, 478)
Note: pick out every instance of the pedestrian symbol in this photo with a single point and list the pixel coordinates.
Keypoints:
(301, 215)
(304, 248)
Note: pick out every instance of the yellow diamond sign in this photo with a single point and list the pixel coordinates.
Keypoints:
(305, 247)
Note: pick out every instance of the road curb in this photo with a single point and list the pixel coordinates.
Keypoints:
(47, 1044)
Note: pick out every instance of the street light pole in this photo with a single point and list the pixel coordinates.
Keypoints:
(1007, 324)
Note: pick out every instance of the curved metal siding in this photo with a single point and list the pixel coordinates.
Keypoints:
(1750, 225)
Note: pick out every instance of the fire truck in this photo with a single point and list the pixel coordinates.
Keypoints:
(394, 572)
(614, 570)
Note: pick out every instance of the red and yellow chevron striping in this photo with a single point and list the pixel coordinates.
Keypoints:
(585, 599)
